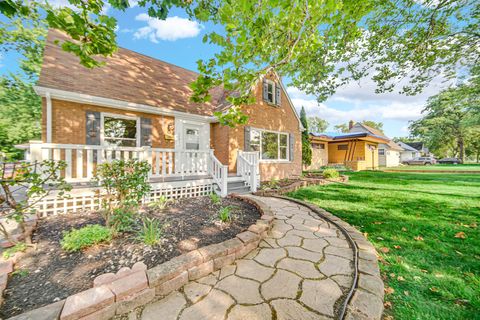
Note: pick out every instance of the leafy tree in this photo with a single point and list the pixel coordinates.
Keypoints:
(320, 45)
(404, 139)
(20, 106)
(316, 124)
(473, 143)
(373, 124)
(306, 145)
(20, 114)
(343, 127)
(448, 119)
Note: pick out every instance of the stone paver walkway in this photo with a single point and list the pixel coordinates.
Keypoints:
(301, 271)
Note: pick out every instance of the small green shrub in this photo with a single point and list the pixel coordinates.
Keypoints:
(225, 214)
(215, 198)
(151, 231)
(125, 182)
(122, 219)
(161, 203)
(20, 272)
(10, 252)
(330, 173)
(77, 239)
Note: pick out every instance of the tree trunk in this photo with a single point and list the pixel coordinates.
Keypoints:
(461, 149)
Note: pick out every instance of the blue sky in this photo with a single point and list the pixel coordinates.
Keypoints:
(179, 41)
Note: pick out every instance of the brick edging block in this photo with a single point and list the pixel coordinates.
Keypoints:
(367, 300)
(132, 287)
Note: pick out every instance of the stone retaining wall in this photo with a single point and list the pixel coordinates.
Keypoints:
(300, 184)
(115, 294)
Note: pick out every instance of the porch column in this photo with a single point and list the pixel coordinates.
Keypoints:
(49, 117)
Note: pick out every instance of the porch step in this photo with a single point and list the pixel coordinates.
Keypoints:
(235, 184)
(237, 187)
(234, 178)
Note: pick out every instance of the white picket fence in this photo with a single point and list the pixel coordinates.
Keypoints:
(90, 199)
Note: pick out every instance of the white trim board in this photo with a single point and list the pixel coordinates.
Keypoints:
(118, 104)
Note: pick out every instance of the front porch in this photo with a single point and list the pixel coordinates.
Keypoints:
(173, 173)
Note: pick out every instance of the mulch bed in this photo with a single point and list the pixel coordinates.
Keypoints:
(50, 274)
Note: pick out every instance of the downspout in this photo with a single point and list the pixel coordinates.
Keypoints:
(49, 117)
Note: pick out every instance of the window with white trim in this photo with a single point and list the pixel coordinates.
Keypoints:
(271, 145)
(381, 152)
(119, 131)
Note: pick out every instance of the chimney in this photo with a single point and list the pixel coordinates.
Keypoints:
(350, 124)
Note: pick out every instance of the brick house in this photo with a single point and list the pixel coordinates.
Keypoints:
(139, 107)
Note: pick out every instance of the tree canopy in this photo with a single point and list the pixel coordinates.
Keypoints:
(317, 124)
(319, 45)
(20, 106)
(344, 127)
(450, 121)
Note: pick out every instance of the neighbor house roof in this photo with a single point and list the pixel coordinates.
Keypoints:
(349, 135)
(406, 146)
(373, 131)
(126, 76)
(416, 145)
(393, 146)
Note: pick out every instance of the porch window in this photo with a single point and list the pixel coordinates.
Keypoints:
(120, 131)
(381, 152)
(271, 145)
(342, 147)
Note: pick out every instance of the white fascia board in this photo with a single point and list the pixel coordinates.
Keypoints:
(118, 104)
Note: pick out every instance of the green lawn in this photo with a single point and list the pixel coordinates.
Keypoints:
(415, 218)
(441, 167)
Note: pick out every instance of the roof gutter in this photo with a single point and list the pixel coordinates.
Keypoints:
(118, 104)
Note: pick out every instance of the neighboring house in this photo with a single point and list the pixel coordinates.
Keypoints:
(388, 152)
(408, 152)
(420, 147)
(139, 107)
(357, 151)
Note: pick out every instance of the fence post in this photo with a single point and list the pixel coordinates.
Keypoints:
(36, 151)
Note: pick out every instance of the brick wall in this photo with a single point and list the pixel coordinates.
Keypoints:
(263, 116)
(219, 141)
(68, 123)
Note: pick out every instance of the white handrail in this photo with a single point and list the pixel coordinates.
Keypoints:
(247, 168)
(219, 173)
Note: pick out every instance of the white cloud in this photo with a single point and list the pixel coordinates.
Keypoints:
(394, 110)
(170, 29)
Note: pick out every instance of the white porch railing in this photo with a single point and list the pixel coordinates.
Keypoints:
(219, 173)
(82, 160)
(247, 168)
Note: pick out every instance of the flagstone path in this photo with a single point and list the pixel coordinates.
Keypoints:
(301, 271)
